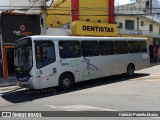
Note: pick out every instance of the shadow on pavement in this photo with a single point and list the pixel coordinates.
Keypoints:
(21, 96)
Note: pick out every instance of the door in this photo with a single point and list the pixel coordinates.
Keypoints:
(90, 53)
(10, 62)
(7, 61)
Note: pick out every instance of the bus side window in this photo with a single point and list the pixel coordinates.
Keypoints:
(45, 53)
(69, 49)
(106, 47)
(50, 54)
(121, 47)
(133, 47)
(90, 48)
(142, 46)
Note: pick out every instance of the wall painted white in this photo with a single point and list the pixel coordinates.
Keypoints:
(143, 30)
(4, 4)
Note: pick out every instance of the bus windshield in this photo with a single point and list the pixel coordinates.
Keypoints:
(23, 55)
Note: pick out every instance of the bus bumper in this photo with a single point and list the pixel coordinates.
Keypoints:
(28, 84)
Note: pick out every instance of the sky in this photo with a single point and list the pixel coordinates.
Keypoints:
(122, 2)
(4, 3)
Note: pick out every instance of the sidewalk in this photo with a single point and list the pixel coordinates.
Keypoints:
(154, 64)
(11, 81)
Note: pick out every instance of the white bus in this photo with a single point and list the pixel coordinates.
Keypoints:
(48, 61)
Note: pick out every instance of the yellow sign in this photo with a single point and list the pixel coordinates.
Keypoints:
(93, 29)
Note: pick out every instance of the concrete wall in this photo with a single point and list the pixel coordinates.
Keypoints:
(26, 6)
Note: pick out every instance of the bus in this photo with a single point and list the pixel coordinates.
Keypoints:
(48, 61)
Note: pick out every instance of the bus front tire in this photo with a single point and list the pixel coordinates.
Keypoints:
(130, 70)
(66, 81)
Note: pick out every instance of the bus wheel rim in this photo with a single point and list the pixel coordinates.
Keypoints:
(66, 81)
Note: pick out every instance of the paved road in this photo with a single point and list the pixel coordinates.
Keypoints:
(115, 93)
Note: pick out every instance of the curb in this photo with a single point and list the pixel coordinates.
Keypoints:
(154, 64)
(11, 81)
(8, 84)
(4, 90)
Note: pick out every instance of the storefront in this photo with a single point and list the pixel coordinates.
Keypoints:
(13, 27)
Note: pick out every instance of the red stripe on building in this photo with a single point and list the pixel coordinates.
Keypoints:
(111, 11)
(75, 10)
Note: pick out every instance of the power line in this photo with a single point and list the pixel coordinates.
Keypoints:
(62, 8)
(104, 14)
(61, 24)
(30, 7)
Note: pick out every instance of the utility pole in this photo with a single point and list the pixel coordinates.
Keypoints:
(150, 7)
(138, 25)
(138, 19)
(43, 17)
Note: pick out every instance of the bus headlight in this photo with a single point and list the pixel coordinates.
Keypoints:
(31, 78)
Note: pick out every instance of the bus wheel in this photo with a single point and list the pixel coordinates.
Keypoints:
(130, 70)
(66, 81)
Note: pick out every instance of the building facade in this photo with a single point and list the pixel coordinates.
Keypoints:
(81, 18)
(140, 20)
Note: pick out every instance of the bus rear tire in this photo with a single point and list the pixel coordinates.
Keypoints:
(66, 81)
(130, 70)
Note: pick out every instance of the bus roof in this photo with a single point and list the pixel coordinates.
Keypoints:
(57, 38)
